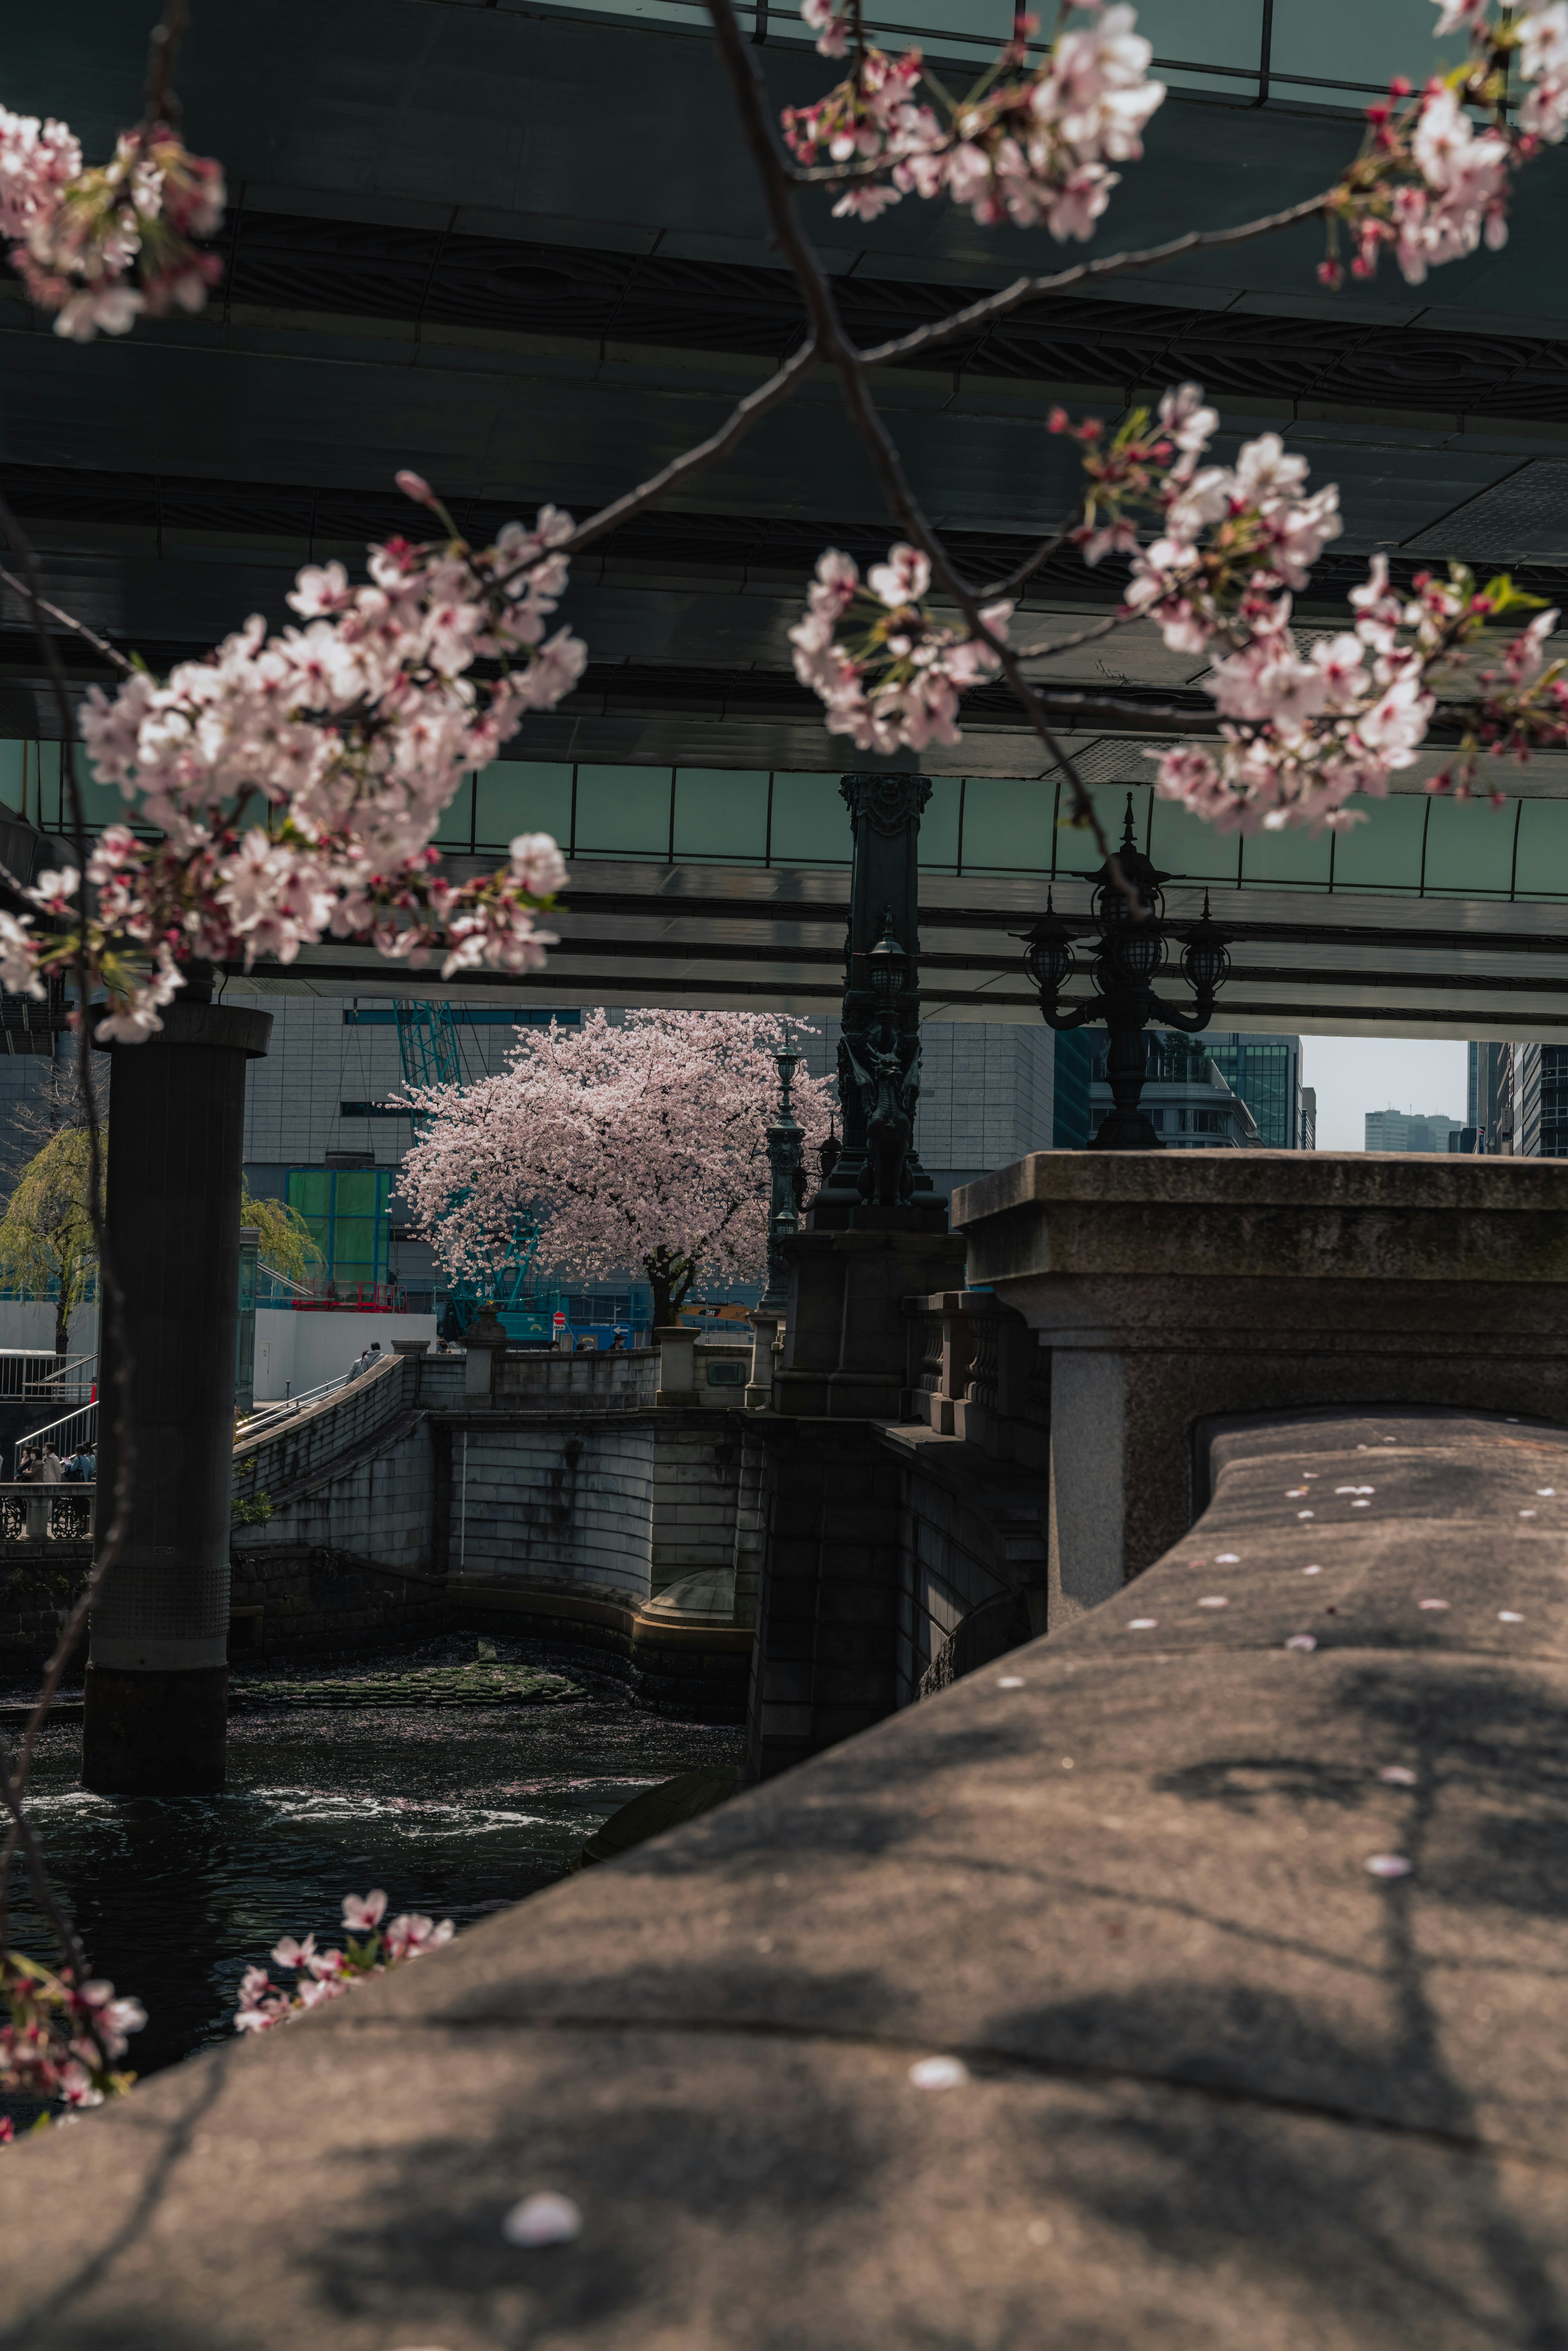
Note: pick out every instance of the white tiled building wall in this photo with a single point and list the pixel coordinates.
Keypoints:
(317, 1061)
(986, 1095)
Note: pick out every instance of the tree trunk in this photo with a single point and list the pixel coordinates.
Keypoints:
(670, 1277)
(62, 1329)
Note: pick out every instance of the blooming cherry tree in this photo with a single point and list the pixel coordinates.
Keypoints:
(640, 1144)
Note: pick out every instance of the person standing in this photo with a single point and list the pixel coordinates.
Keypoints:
(50, 1467)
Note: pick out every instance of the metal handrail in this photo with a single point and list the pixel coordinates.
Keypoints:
(69, 1433)
(55, 1379)
(260, 1421)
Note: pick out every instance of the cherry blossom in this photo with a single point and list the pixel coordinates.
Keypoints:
(323, 1976)
(543, 2219)
(1430, 184)
(59, 2040)
(894, 675)
(295, 779)
(1027, 145)
(637, 1143)
(938, 2072)
(101, 246)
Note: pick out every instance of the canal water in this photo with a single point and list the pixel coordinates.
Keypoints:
(456, 1811)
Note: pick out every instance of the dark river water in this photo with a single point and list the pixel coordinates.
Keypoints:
(456, 1812)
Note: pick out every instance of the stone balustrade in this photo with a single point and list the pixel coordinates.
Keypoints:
(977, 1372)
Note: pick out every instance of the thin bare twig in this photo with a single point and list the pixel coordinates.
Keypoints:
(1043, 651)
(163, 49)
(78, 628)
(13, 1776)
(742, 417)
(1084, 273)
(1022, 573)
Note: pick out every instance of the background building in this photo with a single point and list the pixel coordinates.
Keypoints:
(1541, 1095)
(1221, 1087)
(1398, 1130)
(320, 1131)
(1491, 1096)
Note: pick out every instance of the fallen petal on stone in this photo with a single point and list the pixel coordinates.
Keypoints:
(1294, 1493)
(1302, 1641)
(1306, 1514)
(1010, 1681)
(1546, 1490)
(1397, 1775)
(1312, 1571)
(1228, 1559)
(542, 2220)
(1530, 1514)
(1141, 1624)
(1431, 1603)
(1388, 1865)
(938, 2072)
(1213, 1599)
(1509, 1616)
(1361, 1506)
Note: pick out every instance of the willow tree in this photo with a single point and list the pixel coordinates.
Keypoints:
(287, 1243)
(46, 1242)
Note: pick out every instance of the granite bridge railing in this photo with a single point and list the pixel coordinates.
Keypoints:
(1191, 1977)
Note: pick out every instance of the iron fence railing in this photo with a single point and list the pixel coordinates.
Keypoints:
(35, 1513)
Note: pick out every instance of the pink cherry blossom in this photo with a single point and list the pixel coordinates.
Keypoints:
(1029, 144)
(893, 678)
(321, 1977)
(355, 730)
(59, 2042)
(1388, 1865)
(101, 246)
(640, 1143)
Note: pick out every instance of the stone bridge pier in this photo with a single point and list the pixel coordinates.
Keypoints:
(157, 1678)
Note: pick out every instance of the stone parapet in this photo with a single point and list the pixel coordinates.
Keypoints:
(1214, 2081)
(1171, 1286)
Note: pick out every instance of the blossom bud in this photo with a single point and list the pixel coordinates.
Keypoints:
(415, 486)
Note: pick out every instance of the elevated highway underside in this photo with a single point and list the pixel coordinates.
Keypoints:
(522, 251)
(706, 935)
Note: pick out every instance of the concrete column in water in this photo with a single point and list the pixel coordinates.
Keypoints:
(157, 1678)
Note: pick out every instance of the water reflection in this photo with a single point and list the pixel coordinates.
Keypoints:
(454, 1812)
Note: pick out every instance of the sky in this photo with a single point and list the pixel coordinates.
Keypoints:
(1355, 1074)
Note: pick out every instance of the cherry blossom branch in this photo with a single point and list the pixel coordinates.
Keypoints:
(748, 92)
(101, 246)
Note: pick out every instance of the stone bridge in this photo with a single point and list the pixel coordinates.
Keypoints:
(1234, 1910)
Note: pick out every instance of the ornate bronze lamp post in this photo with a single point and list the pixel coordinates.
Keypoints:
(1127, 956)
(785, 1161)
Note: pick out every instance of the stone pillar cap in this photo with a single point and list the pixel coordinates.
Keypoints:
(232, 1027)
